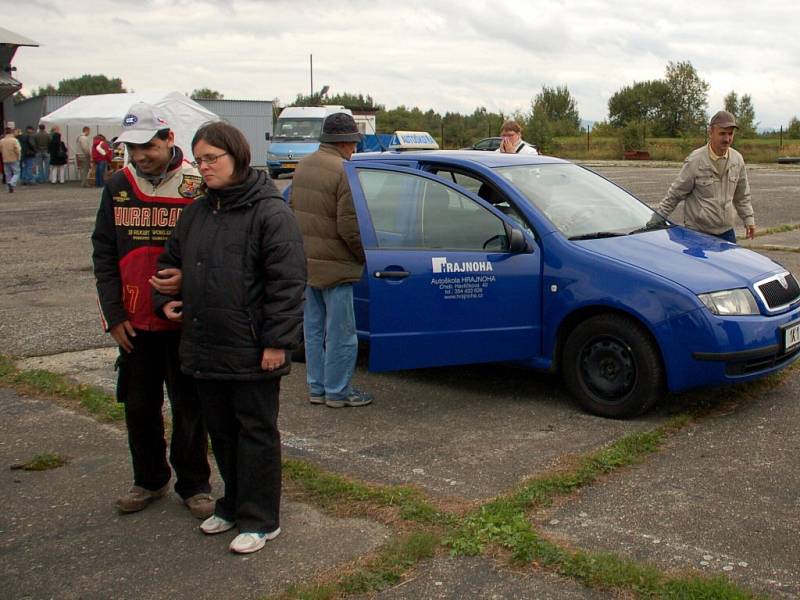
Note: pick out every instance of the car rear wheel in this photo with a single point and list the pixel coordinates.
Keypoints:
(612, 367)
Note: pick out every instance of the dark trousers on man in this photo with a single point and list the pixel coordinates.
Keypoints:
(140, 386)
(242, 419)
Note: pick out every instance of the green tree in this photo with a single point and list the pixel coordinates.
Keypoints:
(558, 108)
(793, 130)
(539, 131)
(85, 85)
(206, 94)
(746, 117)
(744, 112)
(684, 111)
(346, 99)
(639, 103)
(731, 103)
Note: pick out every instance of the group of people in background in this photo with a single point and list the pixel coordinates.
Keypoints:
(32, 157)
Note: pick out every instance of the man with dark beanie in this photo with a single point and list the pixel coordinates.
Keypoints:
(323, 204)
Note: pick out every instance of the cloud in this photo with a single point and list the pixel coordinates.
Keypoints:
(449, 55)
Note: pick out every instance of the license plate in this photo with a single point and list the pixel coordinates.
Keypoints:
(791, 337)
(289, 165)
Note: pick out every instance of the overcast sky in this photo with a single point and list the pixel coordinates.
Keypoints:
(449, 55)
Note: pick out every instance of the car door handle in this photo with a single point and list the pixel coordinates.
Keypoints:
(391, 274)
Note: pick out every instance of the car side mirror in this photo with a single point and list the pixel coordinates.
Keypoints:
(267, 136)
(516, 240)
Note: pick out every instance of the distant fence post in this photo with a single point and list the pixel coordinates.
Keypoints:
(780, 143)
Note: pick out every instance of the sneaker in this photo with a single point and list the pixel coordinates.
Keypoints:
(138, 498)
(214, 524)
(248, 542)
(355, 398)
(316, 398)
(200, 505)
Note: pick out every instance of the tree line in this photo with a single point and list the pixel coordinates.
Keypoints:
(674, 106)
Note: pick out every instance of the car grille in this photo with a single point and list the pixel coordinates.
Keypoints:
(775, 294)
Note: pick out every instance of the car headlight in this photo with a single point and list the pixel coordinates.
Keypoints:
(730, 302)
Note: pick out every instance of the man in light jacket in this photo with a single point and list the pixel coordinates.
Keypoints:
(11, 152)
(713, 185)
(83, 156)
(323, 204)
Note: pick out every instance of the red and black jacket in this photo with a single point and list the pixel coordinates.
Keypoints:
(134, 221)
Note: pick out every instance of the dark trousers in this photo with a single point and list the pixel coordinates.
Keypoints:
(728, 236)
(242, 419)
(140, 386)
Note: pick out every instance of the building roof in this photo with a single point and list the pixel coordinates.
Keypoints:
(14, 39)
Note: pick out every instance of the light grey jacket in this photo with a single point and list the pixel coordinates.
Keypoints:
(710, 203)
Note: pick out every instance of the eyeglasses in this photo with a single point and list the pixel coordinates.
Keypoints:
(209, 160)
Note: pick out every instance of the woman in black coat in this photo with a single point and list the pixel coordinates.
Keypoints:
(241, 305)
(58, 157)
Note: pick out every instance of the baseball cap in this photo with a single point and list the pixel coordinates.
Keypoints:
(723, 119)
(141, 124)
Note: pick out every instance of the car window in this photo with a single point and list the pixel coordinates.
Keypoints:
(577, 201)
(488, 144)
(409, 211)
(488, 192)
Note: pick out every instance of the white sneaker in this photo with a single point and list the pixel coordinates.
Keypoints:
(214, 524)
(245, 543)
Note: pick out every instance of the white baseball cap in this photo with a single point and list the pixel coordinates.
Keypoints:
(141, 124)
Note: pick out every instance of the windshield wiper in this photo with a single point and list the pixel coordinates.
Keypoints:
(652, 226)
(597, 235)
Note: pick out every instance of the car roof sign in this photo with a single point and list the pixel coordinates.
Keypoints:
(413, 140)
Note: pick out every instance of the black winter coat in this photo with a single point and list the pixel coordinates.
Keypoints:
(244, 275)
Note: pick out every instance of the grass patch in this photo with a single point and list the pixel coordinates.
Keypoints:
(331, 491)
(43, 462)
(98, 403)
(778, 229)
(383, 570)
(504, 523)
(754, 150)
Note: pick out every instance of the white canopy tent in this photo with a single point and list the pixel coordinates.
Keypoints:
(104, 113)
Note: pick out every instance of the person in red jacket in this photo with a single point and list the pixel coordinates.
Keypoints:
(138, 210)
(101, 156)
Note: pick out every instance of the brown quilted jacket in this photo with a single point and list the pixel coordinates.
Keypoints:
(323, 204)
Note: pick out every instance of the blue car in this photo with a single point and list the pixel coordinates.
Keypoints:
(478, 257)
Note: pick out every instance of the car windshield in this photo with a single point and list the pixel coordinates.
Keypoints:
(580, 203)
(298, 129)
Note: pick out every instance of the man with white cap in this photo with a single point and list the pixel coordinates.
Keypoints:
(713, 185)
(139, 207)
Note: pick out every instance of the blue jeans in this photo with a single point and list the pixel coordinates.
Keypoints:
(99, 173)
(42, 164)
(11, 171)
(329, 325)
(27, 170)
(728, 236)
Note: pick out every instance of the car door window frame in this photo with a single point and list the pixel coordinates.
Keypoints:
(372, 237)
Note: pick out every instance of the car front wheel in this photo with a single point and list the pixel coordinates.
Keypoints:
(612, 367)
